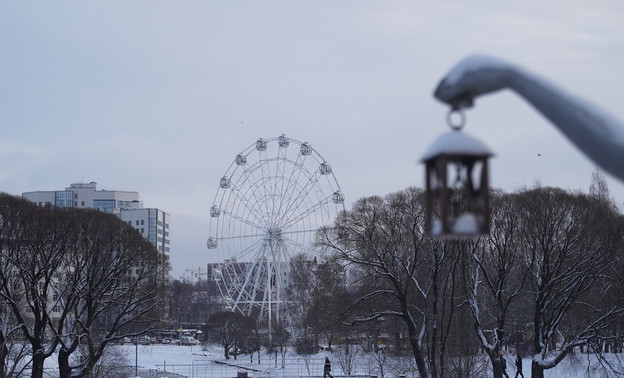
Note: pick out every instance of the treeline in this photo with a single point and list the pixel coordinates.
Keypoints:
(71, 281)
(545, 283)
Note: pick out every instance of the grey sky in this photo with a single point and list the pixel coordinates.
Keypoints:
(150, 95)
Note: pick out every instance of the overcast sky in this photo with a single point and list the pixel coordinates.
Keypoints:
(159, 96)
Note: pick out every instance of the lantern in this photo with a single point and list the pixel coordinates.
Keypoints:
(457, 190)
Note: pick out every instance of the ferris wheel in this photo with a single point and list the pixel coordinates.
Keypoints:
(270, 202)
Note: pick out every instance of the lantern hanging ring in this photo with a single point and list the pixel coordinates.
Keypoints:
(459, 123)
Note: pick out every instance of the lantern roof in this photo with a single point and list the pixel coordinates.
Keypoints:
(456, 143)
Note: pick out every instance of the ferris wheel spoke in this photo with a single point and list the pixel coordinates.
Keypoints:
(254, 225)
(265, 171)
(296, 246)
(255, 187)
(306, 212)
(248, 251)
(302, 231)
(305, 190)
(279, 180)
(301, 196)
(298, 168)
(242, 237)
(248, 205)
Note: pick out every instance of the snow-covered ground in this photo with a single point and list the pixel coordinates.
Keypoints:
(174, 361)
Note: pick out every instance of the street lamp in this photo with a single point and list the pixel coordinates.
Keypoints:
(456, 183)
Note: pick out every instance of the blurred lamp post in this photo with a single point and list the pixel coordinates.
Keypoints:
(457, 189)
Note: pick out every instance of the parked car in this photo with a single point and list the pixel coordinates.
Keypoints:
(144, 340)
(187, 340)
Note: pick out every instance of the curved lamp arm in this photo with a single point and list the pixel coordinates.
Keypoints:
(593, 131)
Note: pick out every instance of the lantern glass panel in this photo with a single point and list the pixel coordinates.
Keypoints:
(458, 191)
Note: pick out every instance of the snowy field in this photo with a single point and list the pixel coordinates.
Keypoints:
(171, 361)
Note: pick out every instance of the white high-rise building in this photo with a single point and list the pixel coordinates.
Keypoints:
(152, 223)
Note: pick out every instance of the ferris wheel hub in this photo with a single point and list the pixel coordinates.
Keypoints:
(274, 234)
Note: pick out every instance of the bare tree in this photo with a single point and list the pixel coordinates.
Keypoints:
(347, 358)
(65, 272)
(229, 330)
(110, 290)
(299, 293)
(36, 252)
(278, 343)
(328, 302)
(571, 240)
(306, 347)
(407, 274)
(15, 356)
(495, 277)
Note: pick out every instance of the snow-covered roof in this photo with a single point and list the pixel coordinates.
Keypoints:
(456, 143)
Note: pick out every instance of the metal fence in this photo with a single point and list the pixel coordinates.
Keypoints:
(292, 368)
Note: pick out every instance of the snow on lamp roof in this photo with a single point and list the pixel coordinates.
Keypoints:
(456, 143)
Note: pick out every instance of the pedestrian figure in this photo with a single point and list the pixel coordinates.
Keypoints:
(519, 367)
(504, 366)
(327, 369)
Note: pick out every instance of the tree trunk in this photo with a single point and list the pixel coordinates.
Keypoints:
(497, 368)
(63, 363)
(434, 329)
(4, 351)
(37, 364)
(536, 370)
(418, 357)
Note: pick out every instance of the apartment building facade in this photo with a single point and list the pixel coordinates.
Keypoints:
(152, 223)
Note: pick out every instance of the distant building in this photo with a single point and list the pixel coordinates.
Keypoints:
(86, 195)
(152, 223)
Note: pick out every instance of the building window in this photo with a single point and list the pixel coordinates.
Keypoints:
(82, 203)
(106, 206)
(142, 230)
(137, 222)
(142, 222)
(64, 199)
